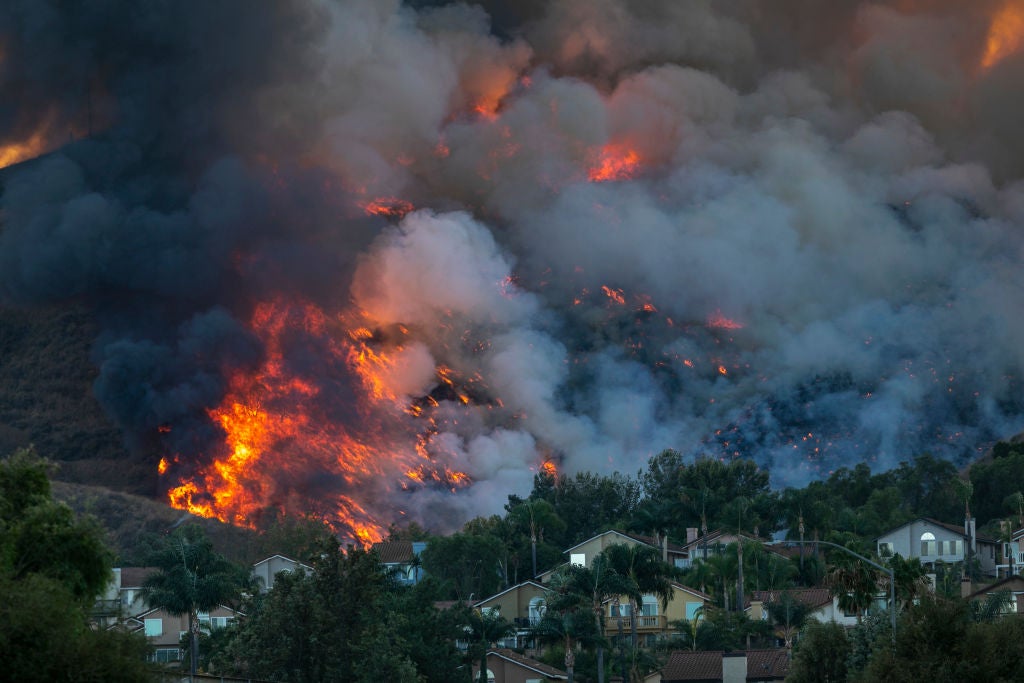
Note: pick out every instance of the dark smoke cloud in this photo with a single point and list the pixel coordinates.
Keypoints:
(841, 180)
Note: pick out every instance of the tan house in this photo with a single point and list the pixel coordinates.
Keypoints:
(522, 604)
(165, 630)
(507, 666)
(1012, 586)
(654, 620)
(585, 552)
(265, 570)
(401, 559)
(712, 543)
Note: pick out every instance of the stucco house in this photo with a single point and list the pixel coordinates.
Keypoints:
(1012, 586)
(165, 630)
(585, 552)
(265, 570)
(932, 541)
(655, 620)
(522, 604)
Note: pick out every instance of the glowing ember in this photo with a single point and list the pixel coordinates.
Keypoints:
(721, 322)
(549, 468)
(388, 207)
(279, 431)
(162, 466)
(1005, 34)
(614, 163)
(615, 295)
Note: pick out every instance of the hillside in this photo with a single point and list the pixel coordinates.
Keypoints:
(46, 399)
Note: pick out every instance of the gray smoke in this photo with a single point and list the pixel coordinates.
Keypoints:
(814, 264)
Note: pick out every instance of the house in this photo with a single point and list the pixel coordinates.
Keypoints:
(122, 598)
(1013, 586)
(712, 543)
(401, 559)
(585, 552)
(1012, 555)
(265, 570)
(507, 666)
(165, 630)
(654, 622)
(686, 666)
(932, 541)
(823, 604)
(522, 604)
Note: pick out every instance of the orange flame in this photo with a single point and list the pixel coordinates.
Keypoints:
(720, 321)
(1005, 34)
(388, 207)
(277, 435)
(615, 295)
(615, 162)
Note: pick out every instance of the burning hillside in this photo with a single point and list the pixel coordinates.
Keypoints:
(375, 261)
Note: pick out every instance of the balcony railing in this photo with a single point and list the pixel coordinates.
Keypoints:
(657, 622)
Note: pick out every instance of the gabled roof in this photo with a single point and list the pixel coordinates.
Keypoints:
(812, 597)
(712, 537)
(549, 672)
(394, 552)
(691, 591)
(507, 590)
(645, 540)
(265, 560)
(1007, 584)
(948, 527)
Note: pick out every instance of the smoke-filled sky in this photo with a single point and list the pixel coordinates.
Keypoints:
(789, 231)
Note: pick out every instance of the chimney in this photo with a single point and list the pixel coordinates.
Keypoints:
(965, 587)
(691, 534)
(734, 667)
(969, 529)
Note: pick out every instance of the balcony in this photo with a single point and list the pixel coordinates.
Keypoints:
(644, 623)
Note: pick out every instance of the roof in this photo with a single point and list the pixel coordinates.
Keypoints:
(712, 537)
(691, 591)
(515, 587)
(645, 540)
(812, 597)
(394, 552)
(1008, 584)
(531, 664)
(692, 667)
(134, 577)
(948, 527)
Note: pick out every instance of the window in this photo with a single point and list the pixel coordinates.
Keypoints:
(650, 606)
(154, 627)
(165, 655)
(885, 550)
(579, 559)
(536, 609)
(692, 608)
(219, 622)
(929, 546)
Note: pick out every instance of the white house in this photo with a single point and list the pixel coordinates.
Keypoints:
(932, 541)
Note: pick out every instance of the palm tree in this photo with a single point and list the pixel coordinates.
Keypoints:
(568, 616)
(645, 573)
(854, 584)
(192, 578)
(487, 628)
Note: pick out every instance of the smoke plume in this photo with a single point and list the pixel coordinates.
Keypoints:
(460, 241)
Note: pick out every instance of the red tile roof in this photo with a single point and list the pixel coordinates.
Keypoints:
(700, 667)
(812, 597)
(134, 577)
(394, 552)
(549, 672)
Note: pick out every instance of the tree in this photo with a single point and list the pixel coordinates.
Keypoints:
(789, 613)
(820, 655)
(643, 572)
(466, 564)
(487, 627)
(854, 584)
(192, 578)
(52, 568)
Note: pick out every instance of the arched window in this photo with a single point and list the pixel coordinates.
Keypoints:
(928, 544)
(536, 610)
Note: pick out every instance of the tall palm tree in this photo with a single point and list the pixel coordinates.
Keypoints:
(192, 578)
(645, 573)
(487, 628)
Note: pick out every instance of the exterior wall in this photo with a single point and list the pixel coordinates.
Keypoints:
(593, 547)
(907, 542)
(515, 602)
(174, 626)
(268, 568)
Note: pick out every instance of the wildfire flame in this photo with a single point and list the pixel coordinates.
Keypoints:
(615, 162)
(275, 431)
(1005, 34)
(388, 207)
(721, 322)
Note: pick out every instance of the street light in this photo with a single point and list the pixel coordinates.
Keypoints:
(887, 570)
